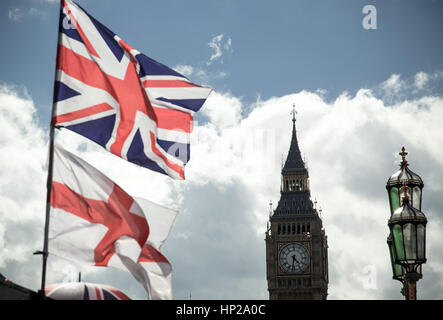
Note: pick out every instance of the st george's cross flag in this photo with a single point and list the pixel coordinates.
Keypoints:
(132, 105)
(95, 222)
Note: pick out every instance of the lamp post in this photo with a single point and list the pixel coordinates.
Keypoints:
(407, 225)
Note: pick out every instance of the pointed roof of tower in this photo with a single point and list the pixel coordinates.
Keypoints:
(294, 202)
(294, 159)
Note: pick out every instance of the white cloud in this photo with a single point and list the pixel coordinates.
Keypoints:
(185, 70)
(15, 14)
(223, 109)
(393, 85)
(352, 147)
(396, 89)
(200, 75)
(219, 46)
(215, 44)
(420, 80)
(38, 13)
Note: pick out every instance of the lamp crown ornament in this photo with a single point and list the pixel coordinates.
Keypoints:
(405, 189)
(403, 154)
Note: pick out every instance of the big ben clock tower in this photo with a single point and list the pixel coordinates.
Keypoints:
(296, 243)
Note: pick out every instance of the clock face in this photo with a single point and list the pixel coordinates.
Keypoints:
(294, 258)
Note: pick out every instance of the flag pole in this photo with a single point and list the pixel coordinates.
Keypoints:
(45, 252)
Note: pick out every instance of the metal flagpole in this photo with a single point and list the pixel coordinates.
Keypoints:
(45, 253)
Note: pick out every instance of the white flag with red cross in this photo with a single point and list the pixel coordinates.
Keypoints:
(94, 221)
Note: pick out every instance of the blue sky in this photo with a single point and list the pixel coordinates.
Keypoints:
(360, 95)
(277, 47)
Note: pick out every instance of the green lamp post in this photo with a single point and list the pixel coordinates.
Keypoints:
(407, 224)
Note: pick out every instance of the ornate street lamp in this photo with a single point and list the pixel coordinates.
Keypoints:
(407, 224)
(408, 230)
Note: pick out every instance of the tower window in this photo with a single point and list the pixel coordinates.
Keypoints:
(284, 229)
(293, 228)
(279, 229)
(298, 228)
(309, 228)
(303, 228)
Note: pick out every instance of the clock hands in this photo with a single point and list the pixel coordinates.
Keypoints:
(294, 259)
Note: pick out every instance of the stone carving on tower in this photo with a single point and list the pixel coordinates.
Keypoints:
(296, 242)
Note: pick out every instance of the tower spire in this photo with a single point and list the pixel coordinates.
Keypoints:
(294, 159)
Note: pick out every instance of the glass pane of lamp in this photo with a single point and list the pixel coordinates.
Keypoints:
(416, 195)
(393, 194)
(410, 237)
(421, 242)
(397, 234)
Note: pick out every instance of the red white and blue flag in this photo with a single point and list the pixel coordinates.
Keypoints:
(132, 105)
(95, 222)
(83, 291)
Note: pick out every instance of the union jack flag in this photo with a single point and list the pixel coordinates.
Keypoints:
(83, 291)
(132, 105)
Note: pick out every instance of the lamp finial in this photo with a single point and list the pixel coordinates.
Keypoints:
(403, 154)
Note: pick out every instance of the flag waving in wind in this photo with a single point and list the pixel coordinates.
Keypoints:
(107, 91)
(94, 221)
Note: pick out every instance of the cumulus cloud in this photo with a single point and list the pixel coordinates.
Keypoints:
(217, 244)
(21, 182)
(397, 88)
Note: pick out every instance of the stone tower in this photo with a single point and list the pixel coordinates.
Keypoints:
(296, 243)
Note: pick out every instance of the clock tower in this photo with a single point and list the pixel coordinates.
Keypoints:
(296, 242)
